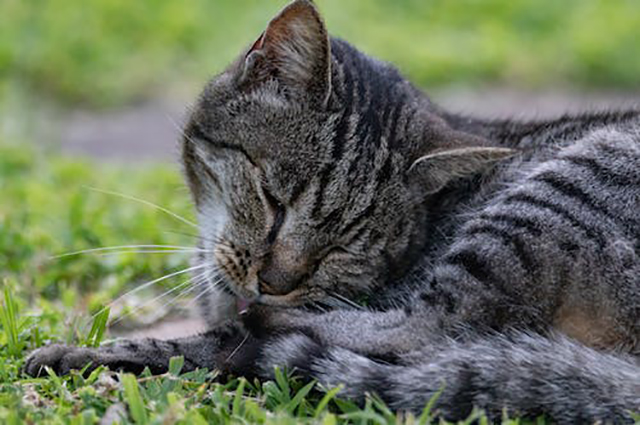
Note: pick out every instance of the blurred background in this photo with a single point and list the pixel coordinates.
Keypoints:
(93, 93)
(111, 78)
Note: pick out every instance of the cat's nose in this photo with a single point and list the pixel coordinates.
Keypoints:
(277, 281)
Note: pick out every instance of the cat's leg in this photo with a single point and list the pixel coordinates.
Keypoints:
(373, 333)
(524, 374)
(206, 350)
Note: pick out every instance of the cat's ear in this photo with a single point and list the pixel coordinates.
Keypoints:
(294, 49)
(460, 159)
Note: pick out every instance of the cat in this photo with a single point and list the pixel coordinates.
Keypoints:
(360, 234)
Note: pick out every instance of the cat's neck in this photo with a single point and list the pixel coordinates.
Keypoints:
(512, 133)
(531, 137)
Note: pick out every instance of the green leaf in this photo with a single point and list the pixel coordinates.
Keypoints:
(426, 416)
(299, 397)
(238, 398)
(98, 328)
(283, 383)
(134, 399)
(366, 415)
(175, 365)
(330, 395)
(9, 319)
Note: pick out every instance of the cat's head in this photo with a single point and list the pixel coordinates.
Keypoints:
(310, 163)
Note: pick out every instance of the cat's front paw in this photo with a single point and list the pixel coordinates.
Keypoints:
(60, 358)
(296, 352)
(265, 320)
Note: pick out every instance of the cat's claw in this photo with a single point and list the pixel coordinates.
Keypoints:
(60, 358)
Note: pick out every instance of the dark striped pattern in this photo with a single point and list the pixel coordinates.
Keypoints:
(475, 265)
(562, 186)
(536, 202)
(508, 239)
(374, 109)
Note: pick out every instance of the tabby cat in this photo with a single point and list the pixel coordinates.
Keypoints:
(499, 261)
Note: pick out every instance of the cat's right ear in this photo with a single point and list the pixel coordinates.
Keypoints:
(295, 50)
(461, 155)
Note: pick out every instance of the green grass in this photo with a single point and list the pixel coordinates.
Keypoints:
(47, 210)
(106, 52)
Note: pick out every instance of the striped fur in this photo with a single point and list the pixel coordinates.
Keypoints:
(499, 259)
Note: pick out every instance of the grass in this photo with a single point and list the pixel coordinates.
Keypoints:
(47, 210)
(108, 52)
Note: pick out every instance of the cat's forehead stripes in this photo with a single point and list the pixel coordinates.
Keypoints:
(195, 132)
(364, 138)
(339, 166)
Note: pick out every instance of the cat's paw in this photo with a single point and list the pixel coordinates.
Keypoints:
(243, 353)
(264, 320)
(60, 358)
(296, 352)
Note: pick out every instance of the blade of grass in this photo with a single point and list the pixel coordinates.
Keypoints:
(134, 399)
(326, 399)
(98, 327)
(283, 383)
(9, 318)
(237, 399)
(369, 416)
(299, 397)
(426, 417)
(175, 365)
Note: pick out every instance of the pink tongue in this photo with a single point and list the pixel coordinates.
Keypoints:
(242, 304)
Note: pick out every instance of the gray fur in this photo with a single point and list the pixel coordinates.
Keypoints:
(521, 373)
(497, 258)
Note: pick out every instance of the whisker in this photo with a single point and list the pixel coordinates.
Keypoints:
(195, 285)
(182, 294)
(319, 307)
(215, 240)
(148, 284)
(335, 303)
(176, 232)
(177, 125)
(238, 347)
(111, 248)
(345, 300)
(206, 291)
(174, 251)
(159, 297)
(146, 303)
(148, 203)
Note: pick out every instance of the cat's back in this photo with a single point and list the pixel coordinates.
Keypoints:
(561, 223)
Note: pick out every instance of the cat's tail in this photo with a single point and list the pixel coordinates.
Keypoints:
(521, 374)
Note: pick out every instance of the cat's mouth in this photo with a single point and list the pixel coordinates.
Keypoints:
(243, 304)
(293, 299)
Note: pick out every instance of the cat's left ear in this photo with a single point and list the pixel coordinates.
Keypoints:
(294, 49)
(463, 156)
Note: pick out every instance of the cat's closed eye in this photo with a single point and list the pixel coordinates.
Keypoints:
(278, 211)
(197, 135)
